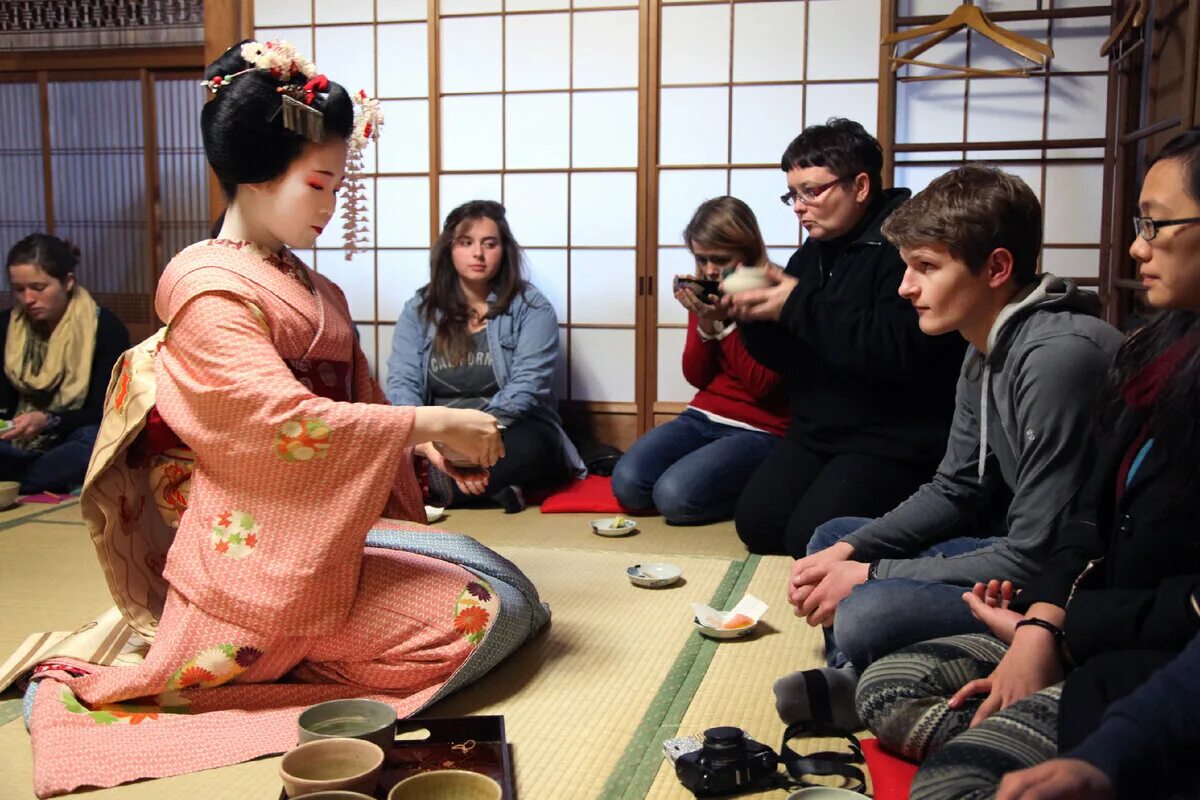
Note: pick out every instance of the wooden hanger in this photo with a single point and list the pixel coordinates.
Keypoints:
(1134, 17)
(968, 16)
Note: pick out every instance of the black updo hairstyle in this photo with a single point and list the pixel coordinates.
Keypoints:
(56, 257)
(244, 137)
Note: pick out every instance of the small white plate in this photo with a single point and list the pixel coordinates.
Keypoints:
(723, 633)
(433, 514)
(653, 576)
(604, 527)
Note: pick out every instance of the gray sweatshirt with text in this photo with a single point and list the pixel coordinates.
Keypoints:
(1022, 417)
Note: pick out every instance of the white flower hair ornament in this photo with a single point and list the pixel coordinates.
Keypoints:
(368, 121)
(280, 59)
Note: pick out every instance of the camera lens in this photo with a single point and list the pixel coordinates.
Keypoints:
(725, 745)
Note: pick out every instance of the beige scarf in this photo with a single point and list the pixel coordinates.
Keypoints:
(52, 374)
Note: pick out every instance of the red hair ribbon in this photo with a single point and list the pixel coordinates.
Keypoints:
(318, 83)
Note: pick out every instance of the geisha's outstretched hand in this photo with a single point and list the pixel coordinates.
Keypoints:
(473, 434)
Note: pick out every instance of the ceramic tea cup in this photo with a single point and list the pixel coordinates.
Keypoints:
(8, 493)
(353, 718)
(335, 794)
(447, 784)
(328, 764)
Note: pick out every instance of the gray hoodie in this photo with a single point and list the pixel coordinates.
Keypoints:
(1022, 416)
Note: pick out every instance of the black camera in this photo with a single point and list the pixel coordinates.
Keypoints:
(727, 763)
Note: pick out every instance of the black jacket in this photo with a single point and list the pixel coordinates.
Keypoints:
(1126, 572)
(112, 339)
(861, 376)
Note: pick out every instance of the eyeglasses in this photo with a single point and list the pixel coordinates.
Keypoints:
(1147, 227)
(808, 194)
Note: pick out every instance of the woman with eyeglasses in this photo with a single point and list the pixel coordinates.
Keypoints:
(871, 396)
(1087, 684)
(693, 468)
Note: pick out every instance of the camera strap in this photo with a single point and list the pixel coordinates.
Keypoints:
(823, 763)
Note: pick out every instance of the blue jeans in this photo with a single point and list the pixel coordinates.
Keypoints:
(882, 616)
(691, 469)
(60, 468)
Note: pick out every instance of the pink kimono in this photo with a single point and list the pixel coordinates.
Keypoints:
(293, 455)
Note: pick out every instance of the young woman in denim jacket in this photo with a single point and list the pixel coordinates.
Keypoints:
(479, 335)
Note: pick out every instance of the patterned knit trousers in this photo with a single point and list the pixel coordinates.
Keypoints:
(902, 699)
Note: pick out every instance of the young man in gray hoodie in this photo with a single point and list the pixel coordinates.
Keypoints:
(1022, 423)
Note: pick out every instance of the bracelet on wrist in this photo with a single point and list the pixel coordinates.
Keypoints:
(1057, 632)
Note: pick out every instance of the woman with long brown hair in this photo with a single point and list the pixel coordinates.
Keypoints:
(479, 335)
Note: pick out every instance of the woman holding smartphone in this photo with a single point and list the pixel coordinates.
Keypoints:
(693, 468)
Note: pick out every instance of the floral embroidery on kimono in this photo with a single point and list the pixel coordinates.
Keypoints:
(235, 534)
(303, 440)
(474, 611)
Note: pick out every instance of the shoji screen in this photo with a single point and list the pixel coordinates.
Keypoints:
(1048, 129)
(380, 46)
(539, 109)
(22, 187)
(737, 82)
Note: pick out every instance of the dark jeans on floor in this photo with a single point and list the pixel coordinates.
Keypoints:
(883, 616)
(691, 469)
(533, 459)
(58, 469)
(794, 490)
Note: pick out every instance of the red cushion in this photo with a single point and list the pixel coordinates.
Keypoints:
(891, 776)
(593, 493)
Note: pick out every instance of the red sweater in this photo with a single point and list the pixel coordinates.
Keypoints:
(732, 384)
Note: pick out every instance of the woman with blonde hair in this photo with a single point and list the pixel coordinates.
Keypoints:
(693, 468)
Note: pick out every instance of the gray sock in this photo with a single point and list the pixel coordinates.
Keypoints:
(819, 695)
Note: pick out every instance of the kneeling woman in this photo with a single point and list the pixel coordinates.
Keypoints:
(480, 336)
(59, 349)
(1119, 597)
(693, 468)
(281, 570)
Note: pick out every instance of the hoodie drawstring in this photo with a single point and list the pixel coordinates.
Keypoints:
(985, 384)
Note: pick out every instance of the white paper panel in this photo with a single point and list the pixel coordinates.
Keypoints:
(768, 41)
(585, 4)
(404, 65)
(384, 333)
(454, 190)
(277, 13)
(470, 59)
(672, 386)
(401, 273)
(332, 235)
(1078, 106)
(300, 37)
(367, 341)
(1030, 173)
(308, 257)
(1073, 203)
(605, 50)
(1071, 263)
(344, 11)
(602, 365)
(537, 51)
(603, 208)
(760, 189)
(990, 6)
(680, 193)
(537, 131)
(403, 219)
(843, 39)
(765, 119)
(856, 101)
(356, 278)
(405, 145)
(695, 44)
(537, 207)
(916, 178)
(535, 5)
(780, 255)
(399, 10)
(929, 111)
(913, 8)
(1005, 110)
(470, 125)
(604, 129)
(694, 126)
(347, 55)
(603, 287)
(672, 261)
(951, 51)
(986, 54)
(469, 6)
(548, 272)
(1076, 152)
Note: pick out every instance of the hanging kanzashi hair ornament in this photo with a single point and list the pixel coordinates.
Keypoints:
(280, 59)
(368, 121)
(298, 112)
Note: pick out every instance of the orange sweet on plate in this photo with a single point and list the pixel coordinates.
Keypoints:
(737, 621)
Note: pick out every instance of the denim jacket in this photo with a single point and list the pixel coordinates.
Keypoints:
(524, 345)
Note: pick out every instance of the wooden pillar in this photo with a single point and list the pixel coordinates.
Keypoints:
(222, 28)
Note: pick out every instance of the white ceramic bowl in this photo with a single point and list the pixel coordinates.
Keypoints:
(8, 493)
(826, 793)
(653, 576)
(604, 527)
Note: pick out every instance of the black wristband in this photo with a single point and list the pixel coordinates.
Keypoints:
(1057, 632)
